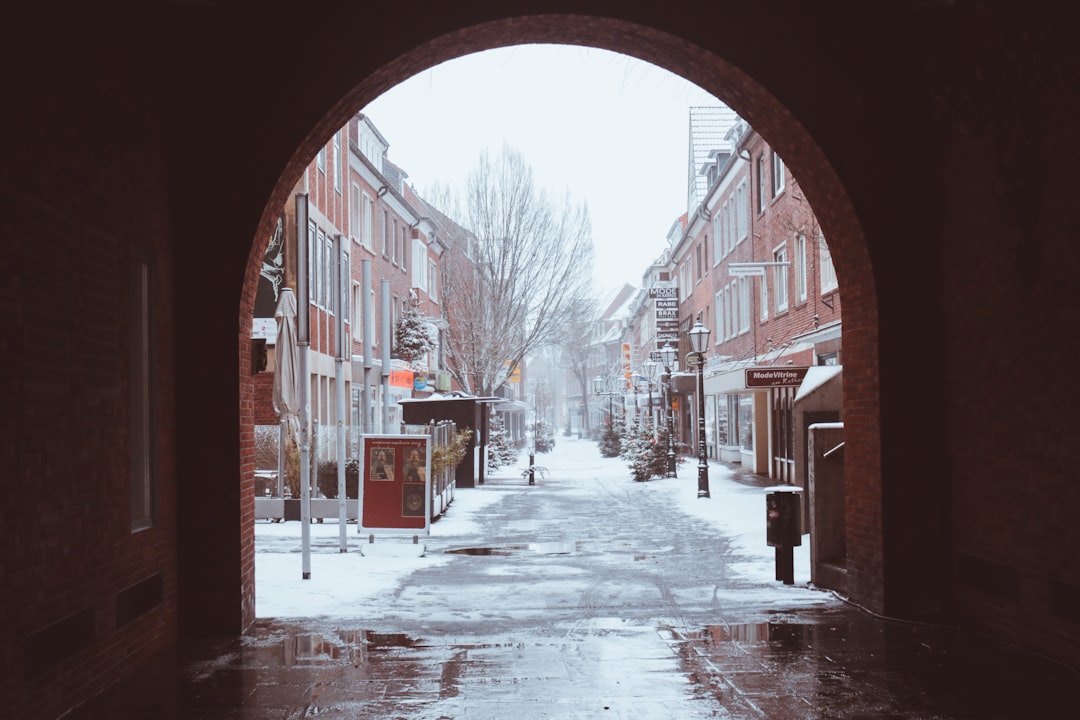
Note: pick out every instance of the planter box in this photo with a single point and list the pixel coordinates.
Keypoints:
(269, 508)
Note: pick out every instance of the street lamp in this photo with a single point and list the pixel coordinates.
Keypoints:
(667, 357)
(599, 384)
(635, 382)
(699, 341)
(650, 374)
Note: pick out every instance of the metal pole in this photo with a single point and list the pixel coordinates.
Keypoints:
(343, 345)
(369, 361)
(387, 333)
(703, 462)
(670, 413)
(303, 333)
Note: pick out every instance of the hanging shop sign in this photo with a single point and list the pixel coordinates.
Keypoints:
(767, 377)
(395, 491)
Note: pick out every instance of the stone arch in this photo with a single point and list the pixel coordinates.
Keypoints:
(752, 99)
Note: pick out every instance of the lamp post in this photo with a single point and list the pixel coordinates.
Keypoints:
(635, 381)
(598, 386)
(650, 376)
(699, 341)
(667, 357)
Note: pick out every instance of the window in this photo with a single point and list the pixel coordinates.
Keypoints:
(393, 243)
(721, 313)
(764, 300)
(761, 183)
(741, 211)
(731, 291)
(357, 311)
(311, 264)
(729, 242)
(320, 159)
(404, 247)
(697, 262)
(800, 268)
(143, 487)
(828, 272)
(368, 228)
(419, 266)
(717, 229)
(433, 280)
(337, 162)
(386, 233)
(355, 210)
(329, 268)
(780, 277)
(777, 174)
(744, 304)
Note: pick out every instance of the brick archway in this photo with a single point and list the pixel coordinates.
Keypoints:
(753, 101)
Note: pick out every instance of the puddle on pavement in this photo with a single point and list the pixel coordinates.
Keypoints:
(548, 548)
(348, 646)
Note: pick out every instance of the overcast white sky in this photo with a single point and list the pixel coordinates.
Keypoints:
(608, 129)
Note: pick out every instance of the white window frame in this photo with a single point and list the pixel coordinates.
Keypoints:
(778, 180)
(433, 280)
(368, 224)
(356, 213)
(386, 233)
(827, 270)
(357, 311)
(419, 266)
(744, 304)
(780, 277)
(718, 236)
(337, 162)
(764, 293)
(799, 261)
(721, 313)
(742, 209)
(761, 183)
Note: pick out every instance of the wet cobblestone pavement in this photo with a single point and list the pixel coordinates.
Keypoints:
(590, 596)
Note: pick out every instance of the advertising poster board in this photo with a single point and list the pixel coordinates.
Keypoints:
(395, 484)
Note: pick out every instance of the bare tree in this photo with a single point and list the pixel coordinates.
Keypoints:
(513, 282)
(577, 347)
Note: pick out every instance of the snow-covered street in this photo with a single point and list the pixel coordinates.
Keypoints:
(341, 583)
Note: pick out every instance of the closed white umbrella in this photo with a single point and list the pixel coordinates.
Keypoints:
(286, 377)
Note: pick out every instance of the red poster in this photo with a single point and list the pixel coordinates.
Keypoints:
(396, 491)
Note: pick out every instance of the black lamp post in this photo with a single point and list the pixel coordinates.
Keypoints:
(667, 357)
(635, 382)
(650, 376)
(699, 341)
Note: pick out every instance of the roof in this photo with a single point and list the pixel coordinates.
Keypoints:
(709, 133)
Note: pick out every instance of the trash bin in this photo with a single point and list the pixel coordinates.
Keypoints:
(783, 517)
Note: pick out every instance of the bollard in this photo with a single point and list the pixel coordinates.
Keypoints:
(532, 469)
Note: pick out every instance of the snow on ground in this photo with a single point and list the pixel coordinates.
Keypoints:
(341, 583)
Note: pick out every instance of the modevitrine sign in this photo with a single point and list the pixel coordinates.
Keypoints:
(775, 377)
